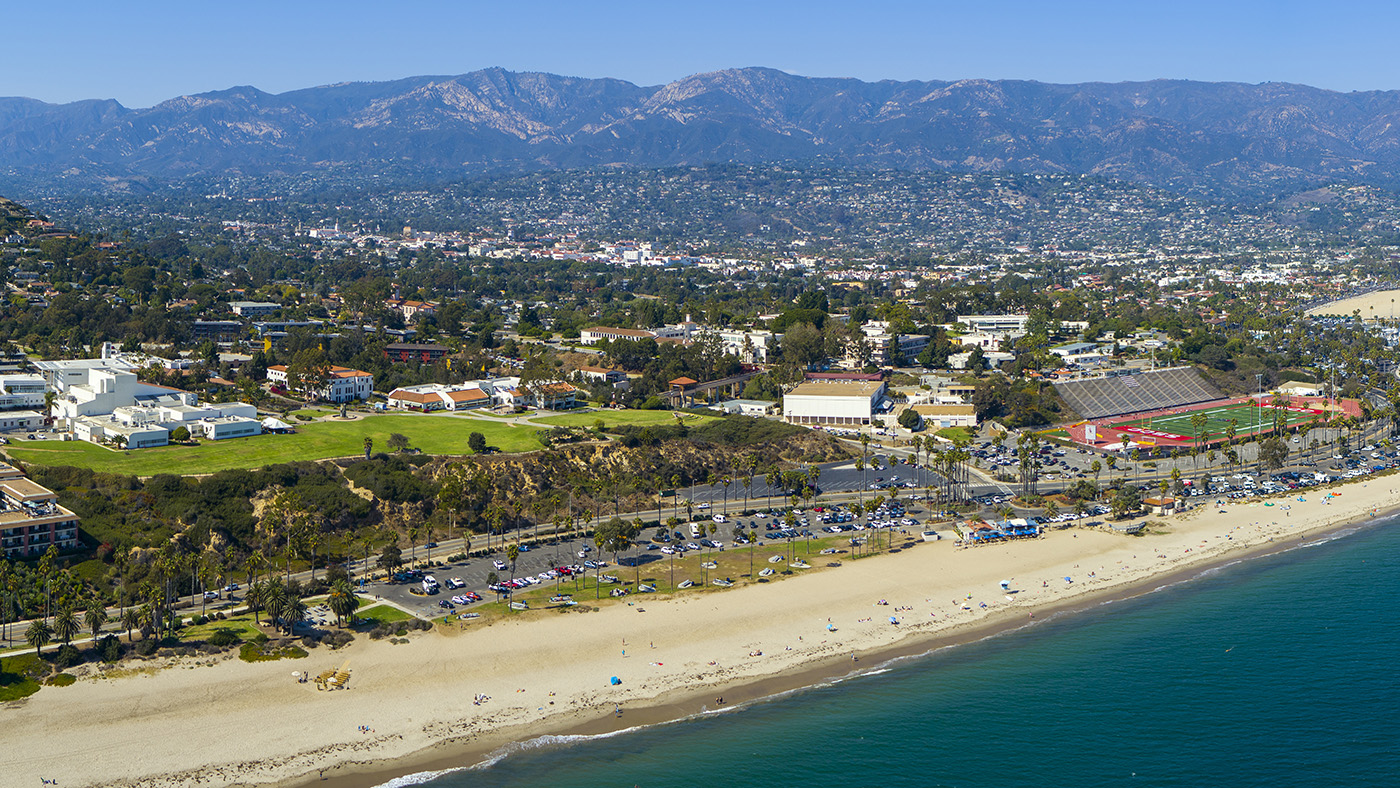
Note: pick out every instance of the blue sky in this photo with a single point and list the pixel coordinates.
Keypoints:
(144, 52)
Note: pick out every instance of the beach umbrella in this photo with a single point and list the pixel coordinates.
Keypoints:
(616, 681)
(1067, 579)
(1005, 584)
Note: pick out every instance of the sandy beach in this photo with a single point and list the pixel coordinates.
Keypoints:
(1380, 304)
(411, 706)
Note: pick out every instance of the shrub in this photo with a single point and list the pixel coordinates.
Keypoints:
(200, 620)
(337, 638)
(223, 637)
(61, 680)
(109, 649)
(146, 647)
(67, 656)
(260, 652)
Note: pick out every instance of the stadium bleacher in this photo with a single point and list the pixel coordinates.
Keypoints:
(1111, 396)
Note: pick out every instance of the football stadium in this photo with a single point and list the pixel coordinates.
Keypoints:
(1155, 410)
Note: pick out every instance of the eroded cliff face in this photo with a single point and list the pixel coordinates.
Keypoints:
(598, 473)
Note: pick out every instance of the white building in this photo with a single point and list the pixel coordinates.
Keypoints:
(944, 415)
(997, 324)
(342, 384)
(594, 335)
(746, 407)
(253, 308)
(226, 427)
(24, 392)
(833, 402)
(751, 347)
(436, 396)
(20, 420)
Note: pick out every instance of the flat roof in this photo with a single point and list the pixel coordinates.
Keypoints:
(22, 489)
(850, 388)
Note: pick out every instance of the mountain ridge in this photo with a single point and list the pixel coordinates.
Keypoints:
(1174, 133)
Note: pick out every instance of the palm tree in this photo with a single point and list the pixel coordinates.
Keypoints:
(273, 595)
(38, 634)
(95, 617)
(342, 601)
(1051, 508)
(131, 619)
(65, 624)
(292, 610)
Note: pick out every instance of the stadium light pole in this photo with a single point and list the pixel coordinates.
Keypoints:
(1259, 383)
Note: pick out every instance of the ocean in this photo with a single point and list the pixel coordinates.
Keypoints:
(1273, 671)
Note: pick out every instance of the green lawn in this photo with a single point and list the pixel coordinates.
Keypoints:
(241, 624)
(17, 676)
(612, 418)
(380, 614)
(957, 433)
(431, 434)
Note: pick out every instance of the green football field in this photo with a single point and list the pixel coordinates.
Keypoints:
(1246, 416)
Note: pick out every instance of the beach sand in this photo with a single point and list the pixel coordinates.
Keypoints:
(1380, 304)
(237, 723)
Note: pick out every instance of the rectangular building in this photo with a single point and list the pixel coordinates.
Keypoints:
(850, 402)
(596, 334)
(253, 308)
(341, 384)
(30, 518)
(423, 354)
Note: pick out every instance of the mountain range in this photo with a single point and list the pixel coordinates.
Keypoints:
(1240, 138)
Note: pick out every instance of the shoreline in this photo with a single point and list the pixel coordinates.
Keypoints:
(458, 756)
(246, 724)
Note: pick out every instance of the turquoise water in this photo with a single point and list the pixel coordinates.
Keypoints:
(1278, 671)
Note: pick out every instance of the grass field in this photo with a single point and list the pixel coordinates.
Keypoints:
(957, 433)
(380, 614)
(613, 418)
(242, 625)
(430, 434)
(1218, 420)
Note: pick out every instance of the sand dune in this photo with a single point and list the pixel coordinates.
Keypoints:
(238, 723)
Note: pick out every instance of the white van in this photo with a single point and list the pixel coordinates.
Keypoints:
(719, 518)
(430, 585)
(696, 530)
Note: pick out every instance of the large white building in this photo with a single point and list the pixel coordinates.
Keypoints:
(836, 402)
(141, 426)
(342, 384)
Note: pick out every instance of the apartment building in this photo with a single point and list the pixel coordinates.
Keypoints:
(30, 518)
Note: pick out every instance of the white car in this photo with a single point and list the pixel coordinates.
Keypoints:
(499, 564)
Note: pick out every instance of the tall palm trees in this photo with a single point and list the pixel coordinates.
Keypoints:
(342, 601)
